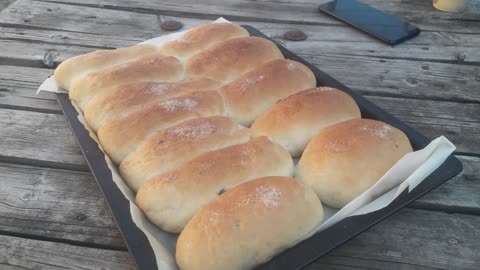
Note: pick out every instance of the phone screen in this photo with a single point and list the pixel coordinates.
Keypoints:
(388, 28)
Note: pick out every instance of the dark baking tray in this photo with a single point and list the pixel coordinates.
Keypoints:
(293, 258)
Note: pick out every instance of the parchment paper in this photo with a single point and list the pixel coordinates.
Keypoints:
(409, 171)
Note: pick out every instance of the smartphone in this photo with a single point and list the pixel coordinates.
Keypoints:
(387, 28)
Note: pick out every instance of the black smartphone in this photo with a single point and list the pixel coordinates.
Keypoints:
(387, 28)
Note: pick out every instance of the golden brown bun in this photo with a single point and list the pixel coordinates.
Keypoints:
(168, 149)
(228, 60)
(254, 92)
(127, 97)
(121, 136)
(201, 37)
(293, 121)
(347, 158)
(79, 66)
(249, 224)
(150, 68)
(171, 199)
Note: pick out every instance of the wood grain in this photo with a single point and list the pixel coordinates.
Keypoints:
(294, 12)
(56, 204)
(20, 254)
(437, 45)
(18, 89)
(414, 239)
(64, 205)
(407, 240)
(402, 78)
(459, 122)
(459, 194)
(38, 139)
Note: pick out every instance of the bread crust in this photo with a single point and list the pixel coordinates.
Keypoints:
(156, 68)
(170, 148)
(228, 60)
(81, 65)
(171, 199)
(293, 121)
(249, 224)
(127, 97)
(347, 158)
(121, 136)
(200, 38)
(256, 91)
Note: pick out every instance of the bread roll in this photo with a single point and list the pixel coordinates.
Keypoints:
(249, 224)
(78, 66)
(120, 136)
(228, 60)
(293, 121)
(254, 92)
(347, 158)
(168, 149)
(201, 37)
(171, 199)
(127, 97)
(149, 68)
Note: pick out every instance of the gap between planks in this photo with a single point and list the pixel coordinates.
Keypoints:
(64, 241)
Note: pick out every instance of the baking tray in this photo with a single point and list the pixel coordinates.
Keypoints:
(301, 254)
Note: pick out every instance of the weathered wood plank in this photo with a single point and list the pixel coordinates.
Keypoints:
(295, 12)
(413, 239)
(40, 55)
(441, 46)
(71, 38)
(393, 77)
(429, 46)
(459, 194)
(459, 122)
(38, 139)
(20, 254)
(50, 16)
(67, 205)
(56, 204)
(18, 86)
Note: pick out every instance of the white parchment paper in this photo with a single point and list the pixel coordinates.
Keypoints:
(407, 173)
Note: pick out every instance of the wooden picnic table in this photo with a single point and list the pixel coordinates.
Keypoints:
(52, 215)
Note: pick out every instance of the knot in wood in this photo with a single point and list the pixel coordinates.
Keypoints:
(81, 217)
(461, 57)
(49, 58)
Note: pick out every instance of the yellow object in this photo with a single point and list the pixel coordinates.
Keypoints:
(450, 5)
